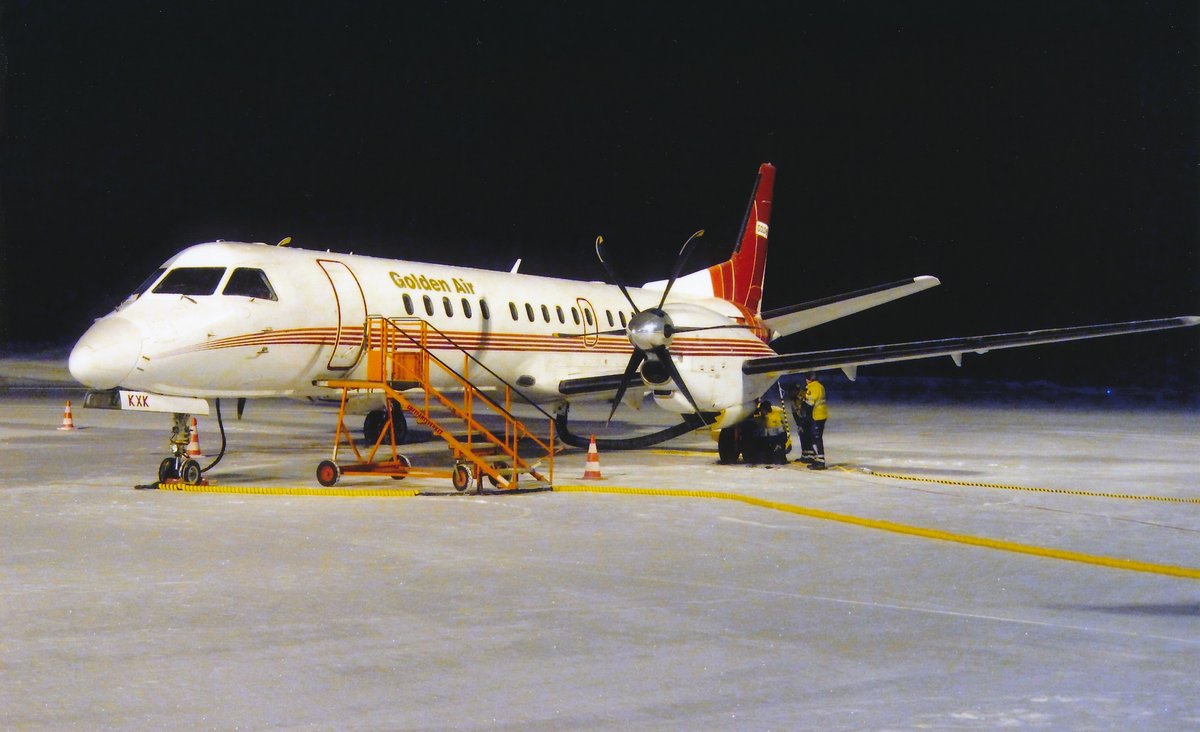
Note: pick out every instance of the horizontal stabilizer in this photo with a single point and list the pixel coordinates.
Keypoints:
(843, 358)
(795, 318)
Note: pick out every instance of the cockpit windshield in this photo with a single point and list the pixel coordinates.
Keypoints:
(248, 282)
(190, 281)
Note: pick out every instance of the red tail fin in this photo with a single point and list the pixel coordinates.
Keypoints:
(740, 279)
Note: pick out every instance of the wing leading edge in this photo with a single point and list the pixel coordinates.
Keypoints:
(849, 359)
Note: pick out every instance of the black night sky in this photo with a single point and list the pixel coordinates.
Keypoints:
(1042, 159)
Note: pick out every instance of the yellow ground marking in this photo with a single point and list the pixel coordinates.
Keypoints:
(259, 490)
(935, 534)
(1061, 491)
(689, 453)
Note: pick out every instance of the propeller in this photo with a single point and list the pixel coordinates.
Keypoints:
(650, 330)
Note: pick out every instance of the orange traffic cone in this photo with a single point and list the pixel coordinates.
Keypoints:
(591, 470)
(193, 447)
(68, 421)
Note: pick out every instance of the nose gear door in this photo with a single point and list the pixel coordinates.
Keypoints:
(351, 314)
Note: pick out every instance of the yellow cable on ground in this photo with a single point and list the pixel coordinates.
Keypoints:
(258, 490)
(1063, 491)
(1112, 562)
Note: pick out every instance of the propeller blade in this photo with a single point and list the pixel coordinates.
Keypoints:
(630, 369)
(612, 275)
(684, 252)
(241, 402)
(664, 357)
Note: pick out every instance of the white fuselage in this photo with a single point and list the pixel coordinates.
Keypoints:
(307, 326)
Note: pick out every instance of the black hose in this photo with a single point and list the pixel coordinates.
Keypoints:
(221, 424)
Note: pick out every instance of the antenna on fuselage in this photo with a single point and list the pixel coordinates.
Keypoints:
(284, 241)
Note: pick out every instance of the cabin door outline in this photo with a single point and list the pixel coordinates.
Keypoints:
(351, 304)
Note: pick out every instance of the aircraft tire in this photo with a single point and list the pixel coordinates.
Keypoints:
(166, 470)
(190, 472)
(376, 419)
(728, 445)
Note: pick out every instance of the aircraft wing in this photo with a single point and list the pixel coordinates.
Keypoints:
(795, 318)
(849, 359)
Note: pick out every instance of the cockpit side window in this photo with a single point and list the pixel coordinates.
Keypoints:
(141, 290)
(190, 281)
(248, 282)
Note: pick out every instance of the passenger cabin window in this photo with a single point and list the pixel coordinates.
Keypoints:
(608, 314)
(466, 308)
(621, 315)
(588, 314)
(575, 315)
(248, 282)
(448, 307)
(512, 308)
(529, 312)
(190, 281)
(558, 311)
(545, 313)
(484, 310)
(428, 305)
(408, 306)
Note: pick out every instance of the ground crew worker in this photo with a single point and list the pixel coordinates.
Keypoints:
(814, 397)
(802, 413)
(771, 427)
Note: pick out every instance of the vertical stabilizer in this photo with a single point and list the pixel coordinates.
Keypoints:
(740, 279)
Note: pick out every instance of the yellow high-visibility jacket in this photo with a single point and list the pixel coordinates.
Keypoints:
(814, 396)
(773, 421)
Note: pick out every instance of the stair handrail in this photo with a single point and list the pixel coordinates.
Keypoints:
(520, 429)
(395, 322)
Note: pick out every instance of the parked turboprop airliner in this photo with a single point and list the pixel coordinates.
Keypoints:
(244, 320)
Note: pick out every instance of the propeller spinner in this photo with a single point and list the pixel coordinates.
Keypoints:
(650, 330)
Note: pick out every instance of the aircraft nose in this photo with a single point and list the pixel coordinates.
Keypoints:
(106, 353)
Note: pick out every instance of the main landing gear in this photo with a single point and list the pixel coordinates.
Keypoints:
(180, 466)
(376, 420)
(744, 442)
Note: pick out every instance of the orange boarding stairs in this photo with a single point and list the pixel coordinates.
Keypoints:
(399, 360)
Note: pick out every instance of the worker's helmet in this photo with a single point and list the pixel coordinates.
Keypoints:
(811, 376)
(766, 403)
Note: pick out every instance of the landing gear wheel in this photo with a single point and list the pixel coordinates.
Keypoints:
(728, 444)
(376, 420)
(373, 425)
(166, 470)
(460, 477)
(190, 472)
(406, 464)
(328, 473)
(500, 468)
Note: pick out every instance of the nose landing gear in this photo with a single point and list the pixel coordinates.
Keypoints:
(180, 467)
